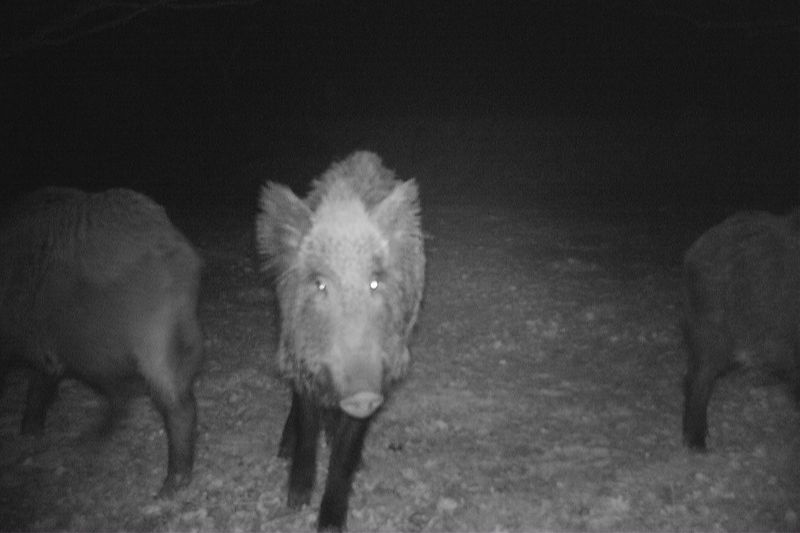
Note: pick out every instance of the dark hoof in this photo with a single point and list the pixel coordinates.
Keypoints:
(332, 514)
(285, 451)
(328, 522)
(695, 445)
(172, 485)
(297, 499)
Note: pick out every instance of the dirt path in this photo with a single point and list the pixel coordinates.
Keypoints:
(544, 395)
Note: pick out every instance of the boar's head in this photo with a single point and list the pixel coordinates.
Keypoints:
(349, 268)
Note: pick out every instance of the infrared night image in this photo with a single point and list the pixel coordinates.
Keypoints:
(419, 266)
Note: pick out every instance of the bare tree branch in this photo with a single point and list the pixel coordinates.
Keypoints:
(96, 16)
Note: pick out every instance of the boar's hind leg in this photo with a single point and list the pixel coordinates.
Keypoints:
(171, 388)
(180, 419)
(709, 358)
(348, 443)
(41, 392)
(302, 428)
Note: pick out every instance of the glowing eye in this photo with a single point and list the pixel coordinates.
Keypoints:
(320, 285)
(373, 284)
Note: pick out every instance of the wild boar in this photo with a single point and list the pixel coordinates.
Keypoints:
(349, 264)
(742, 307)
(103, 288)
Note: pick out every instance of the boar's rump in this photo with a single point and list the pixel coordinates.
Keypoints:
(103, 288)
(741, 307)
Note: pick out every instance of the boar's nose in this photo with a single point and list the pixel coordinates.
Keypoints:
(361, 404)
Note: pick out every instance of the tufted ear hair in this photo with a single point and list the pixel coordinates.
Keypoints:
(281, 224)
(397, 215)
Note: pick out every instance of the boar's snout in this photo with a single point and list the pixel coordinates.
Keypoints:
(359, 386)
(361, 404)
(357, 362)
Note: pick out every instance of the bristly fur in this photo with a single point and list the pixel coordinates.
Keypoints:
(103, 288)
(55, 223)
(362, 174)
(56, 234)
(97, 235)
(349, 268)
(285, 224)
(741, 307)
(282, 222)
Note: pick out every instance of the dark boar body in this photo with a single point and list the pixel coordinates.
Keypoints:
(348, 263)
(102, 288)
(742, 307)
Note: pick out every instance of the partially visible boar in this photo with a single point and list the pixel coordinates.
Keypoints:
(349, 268)
(742, 283)
(102, 288)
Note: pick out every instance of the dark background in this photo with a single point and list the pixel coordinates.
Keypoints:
(659, 103)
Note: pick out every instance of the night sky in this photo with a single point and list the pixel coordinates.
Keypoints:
(662, 103)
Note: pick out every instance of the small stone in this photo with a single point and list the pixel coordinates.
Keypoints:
(151, 510)
(448, 505)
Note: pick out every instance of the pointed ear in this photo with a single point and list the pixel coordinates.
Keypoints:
(281, 224)
(397, 215)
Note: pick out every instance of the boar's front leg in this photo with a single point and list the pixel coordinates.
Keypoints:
(289, 435)
(348, 443)
(302, 428)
